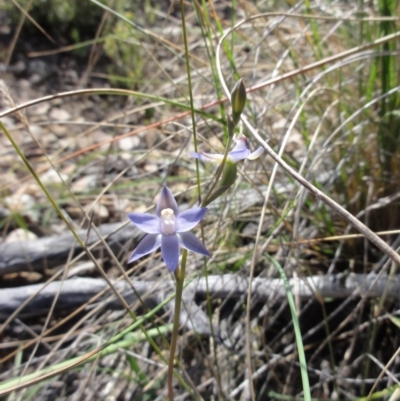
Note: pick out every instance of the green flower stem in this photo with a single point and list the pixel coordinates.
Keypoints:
(180, 279)
(207, 199)
(228, 178)
(221, 169)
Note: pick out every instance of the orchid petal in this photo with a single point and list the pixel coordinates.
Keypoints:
(146, 222)
(238, 155)
(256, 154)
(147, 245)
(190, 218)
(190, 242)
(241, 143)
(166, 201)
(208, 157)
(170, 251)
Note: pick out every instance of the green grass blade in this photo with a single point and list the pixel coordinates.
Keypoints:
(297, 332)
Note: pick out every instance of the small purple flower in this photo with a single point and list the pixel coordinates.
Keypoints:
(168, 229)
(240, 152)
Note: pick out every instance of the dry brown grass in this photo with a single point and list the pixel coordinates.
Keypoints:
(101, 155)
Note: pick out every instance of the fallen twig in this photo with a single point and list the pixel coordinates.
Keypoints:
(77, 291)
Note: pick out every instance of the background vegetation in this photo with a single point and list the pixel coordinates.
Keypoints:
(323, 90)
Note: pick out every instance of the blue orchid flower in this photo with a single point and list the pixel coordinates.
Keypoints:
(240, 152)
(168, 229)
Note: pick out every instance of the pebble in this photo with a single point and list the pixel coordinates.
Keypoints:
(129, 143)
(85, 184)
(36, 130)
(8, 122)
(71, 76)
(23, 87)
(150, 167)
(18, 202)
(139, 208)
(121, 205)
(81, 269)
(100, 136)
(52, 177)
(58, 114)
(100, 212)
(19, 235)
(23, 204)
(93, 138)
(40, 109)
(58, 129)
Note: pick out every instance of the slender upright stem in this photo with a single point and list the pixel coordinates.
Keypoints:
(231, 132)
(180, 278)
(218, 175)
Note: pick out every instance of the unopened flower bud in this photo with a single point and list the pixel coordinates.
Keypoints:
(238, 100)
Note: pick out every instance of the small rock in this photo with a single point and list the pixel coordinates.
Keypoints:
(8, 122)
(40, 109)
(33, 189)
(99, 137)
(100, 212)
(24, 84)
(93, 138)
(36, 130)
(73, 211)
(126, 156)
(40, 68)
(4, 213)
(5, 29)
(18, 203)
(19, 235)
(139, 209)
(23, 87)
(52, 177)
(58, 129)
(149, 137)
(58, 114)
(48, 138)
(23, 204)
(81, 269)
(71, 76)
(31, 277)
(85, 184)
(19, 67)
(121, 205)
(128, 143)
(150, 167)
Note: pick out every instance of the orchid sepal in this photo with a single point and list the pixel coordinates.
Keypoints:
(239, 152)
